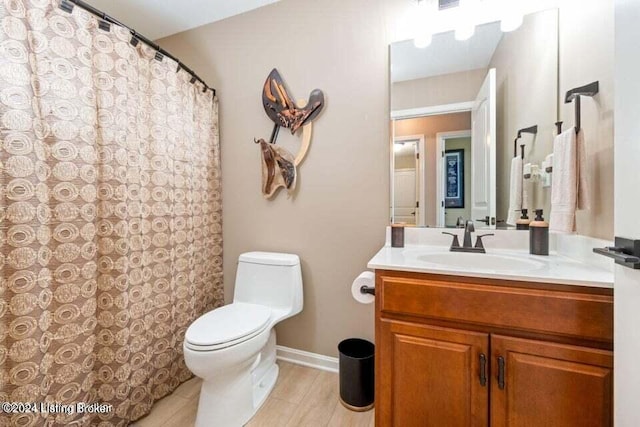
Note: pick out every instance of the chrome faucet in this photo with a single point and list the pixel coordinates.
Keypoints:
(466, 243)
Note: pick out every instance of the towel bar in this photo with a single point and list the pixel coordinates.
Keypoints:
(626, 252)
(589, 90)
(531, 129)
(559, 127)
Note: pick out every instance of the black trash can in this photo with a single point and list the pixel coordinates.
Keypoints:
(356, 374)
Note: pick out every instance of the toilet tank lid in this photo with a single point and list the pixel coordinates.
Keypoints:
(269, 258)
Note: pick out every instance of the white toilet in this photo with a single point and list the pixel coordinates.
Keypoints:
(233, 348)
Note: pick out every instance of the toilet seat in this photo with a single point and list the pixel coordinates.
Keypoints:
(227, 326)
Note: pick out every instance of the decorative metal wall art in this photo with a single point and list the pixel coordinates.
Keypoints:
(278, 165)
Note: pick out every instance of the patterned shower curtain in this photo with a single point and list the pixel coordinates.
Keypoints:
(110, 218)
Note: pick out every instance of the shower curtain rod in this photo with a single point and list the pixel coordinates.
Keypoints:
(67, 5)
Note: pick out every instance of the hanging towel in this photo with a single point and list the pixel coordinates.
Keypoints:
(527, 189)
(569, 189)
(515, 191)
(584, 193)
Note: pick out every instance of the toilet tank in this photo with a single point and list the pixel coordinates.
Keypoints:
(270, 279)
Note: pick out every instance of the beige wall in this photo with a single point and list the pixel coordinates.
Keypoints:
(586, 55)
(437, 90)
(526, 63)
(451, 214)
(336, 219)
(429, 126)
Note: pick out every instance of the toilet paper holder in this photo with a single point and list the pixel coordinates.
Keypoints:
(364, 289)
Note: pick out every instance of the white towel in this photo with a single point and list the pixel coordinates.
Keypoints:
(584, 193)
(515, 191)
(569, 189)
(527, 189)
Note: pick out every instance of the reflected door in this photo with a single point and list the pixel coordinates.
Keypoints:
(483, 154)
(404, 191)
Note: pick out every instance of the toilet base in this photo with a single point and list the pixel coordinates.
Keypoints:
(264, 376)
(262, 389)
(232, 398)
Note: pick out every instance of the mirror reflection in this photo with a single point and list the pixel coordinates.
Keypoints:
(456, 110)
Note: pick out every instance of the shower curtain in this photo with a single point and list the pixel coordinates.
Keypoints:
(110, 217)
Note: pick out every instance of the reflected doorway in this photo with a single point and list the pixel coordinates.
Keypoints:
(454, 173)
(408, 178)
(417, 180)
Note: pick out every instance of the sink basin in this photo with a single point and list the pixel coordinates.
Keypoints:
(480, 261)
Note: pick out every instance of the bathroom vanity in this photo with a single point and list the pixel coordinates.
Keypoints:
(494, 345)
(501, 338)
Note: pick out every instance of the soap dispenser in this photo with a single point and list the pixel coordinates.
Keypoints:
(539, 235)
(524, 221)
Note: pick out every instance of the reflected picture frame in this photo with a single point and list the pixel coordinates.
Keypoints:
(454, 179)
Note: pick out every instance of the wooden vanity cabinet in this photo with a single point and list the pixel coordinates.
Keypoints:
(549, 384)
(454, 351)
(428, 376)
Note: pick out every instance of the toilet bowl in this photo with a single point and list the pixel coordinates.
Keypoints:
(233, 348)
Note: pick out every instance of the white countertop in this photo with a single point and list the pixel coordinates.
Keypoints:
(554, 268)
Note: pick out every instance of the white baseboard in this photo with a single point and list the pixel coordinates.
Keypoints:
(305, 358)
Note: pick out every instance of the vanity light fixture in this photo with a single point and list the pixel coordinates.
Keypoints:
(463, 16)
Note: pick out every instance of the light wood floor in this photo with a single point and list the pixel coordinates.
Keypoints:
(302, 397)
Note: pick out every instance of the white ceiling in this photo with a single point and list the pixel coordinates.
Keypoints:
(155, 19)
(445, 54)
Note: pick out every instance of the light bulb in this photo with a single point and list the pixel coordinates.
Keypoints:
(422, 25)
(422, 40)
(422, 10)
(511, 16)
(466, 27)
(465, 32)
(511, 21)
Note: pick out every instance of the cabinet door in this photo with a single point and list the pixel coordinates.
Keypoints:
(430, 376)
(547, 384)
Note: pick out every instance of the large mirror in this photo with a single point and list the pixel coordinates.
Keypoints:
(457, 109)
